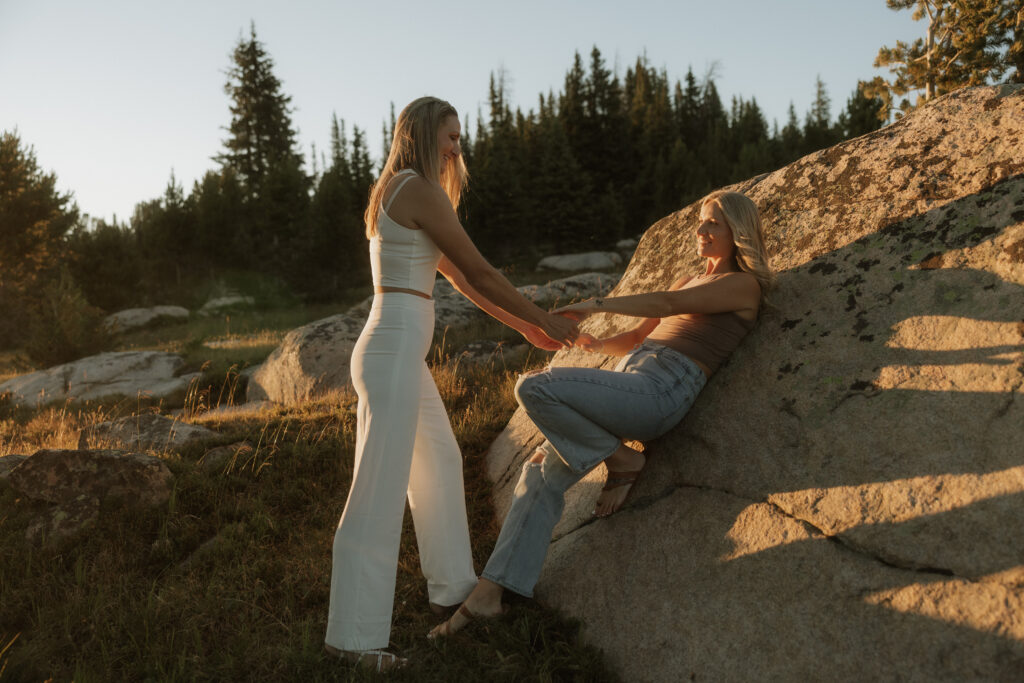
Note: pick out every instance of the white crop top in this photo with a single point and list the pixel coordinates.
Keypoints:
(401, 256)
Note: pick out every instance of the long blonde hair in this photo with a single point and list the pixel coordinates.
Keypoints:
(414, 146)
(745, 222)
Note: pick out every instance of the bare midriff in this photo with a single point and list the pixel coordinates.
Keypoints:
(381, 290)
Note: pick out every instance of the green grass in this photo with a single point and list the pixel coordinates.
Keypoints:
(145, 595)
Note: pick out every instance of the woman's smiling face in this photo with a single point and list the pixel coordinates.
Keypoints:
(714, 237)
(448, 135)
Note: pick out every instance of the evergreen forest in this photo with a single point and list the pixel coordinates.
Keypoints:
(597, 161)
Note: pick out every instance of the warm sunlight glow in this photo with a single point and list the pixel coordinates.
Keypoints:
(941, 353)
(964, 603)
(895, 501)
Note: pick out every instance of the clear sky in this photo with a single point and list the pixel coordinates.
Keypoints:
(114, 94)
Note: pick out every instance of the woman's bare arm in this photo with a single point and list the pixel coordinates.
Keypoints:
(432, 212)
(533, 334)
(730, 292)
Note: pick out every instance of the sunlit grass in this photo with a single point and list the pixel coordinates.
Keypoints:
(229, 580)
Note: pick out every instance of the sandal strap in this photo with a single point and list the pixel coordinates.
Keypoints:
(617, 479)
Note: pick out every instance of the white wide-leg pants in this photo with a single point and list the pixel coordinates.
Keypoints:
(404, 447)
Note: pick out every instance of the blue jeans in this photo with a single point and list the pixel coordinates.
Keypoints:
(584, 413)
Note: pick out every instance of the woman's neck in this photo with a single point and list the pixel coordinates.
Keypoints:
(722, 265)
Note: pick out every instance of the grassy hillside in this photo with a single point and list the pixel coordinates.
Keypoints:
(229, 580)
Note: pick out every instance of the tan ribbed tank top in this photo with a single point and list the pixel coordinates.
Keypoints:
(708, 338)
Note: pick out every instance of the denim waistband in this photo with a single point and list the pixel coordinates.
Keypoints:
(668, 354)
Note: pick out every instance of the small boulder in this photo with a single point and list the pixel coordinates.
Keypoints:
(222, 304)
(133, 318)
(118, 373)
(222, 458)
(590, 260)
(144, 432)
(9, 462)
(311, 360)
(572, 288)
(76, 481)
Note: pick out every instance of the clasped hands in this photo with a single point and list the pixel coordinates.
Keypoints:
(568, 337)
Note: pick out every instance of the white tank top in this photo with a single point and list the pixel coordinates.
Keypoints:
(400, 256)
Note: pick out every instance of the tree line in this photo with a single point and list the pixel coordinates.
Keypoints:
(599, 160)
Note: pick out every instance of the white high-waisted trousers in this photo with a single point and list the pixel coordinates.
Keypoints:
(404, 447)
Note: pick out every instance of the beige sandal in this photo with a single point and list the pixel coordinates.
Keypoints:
(376, 660)
(446, 628)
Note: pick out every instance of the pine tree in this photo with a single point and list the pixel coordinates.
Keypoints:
(818, 131)
(261, 134)
(961, 48)
(862, 114)
(34, 220)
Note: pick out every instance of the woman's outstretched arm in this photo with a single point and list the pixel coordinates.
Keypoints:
(533, 333)
(730, 292)
(434, 214)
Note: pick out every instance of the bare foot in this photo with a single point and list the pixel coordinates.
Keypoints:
(624, 466)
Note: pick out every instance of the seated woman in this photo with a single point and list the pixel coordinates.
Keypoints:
(585, 413)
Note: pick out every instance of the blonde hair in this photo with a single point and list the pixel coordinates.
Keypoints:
(414, 146)
(745, 222)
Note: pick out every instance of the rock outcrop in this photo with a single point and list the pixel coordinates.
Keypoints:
(313, 360)
(143, 432)
(74, 482)
(133, 318)
(845, 498)
(589, 260)
(118, 373)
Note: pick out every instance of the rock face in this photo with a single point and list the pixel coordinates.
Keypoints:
(121, 373)
(75, 481)
(144, 432)
(590, 260)
(847, 494)
(313, 359)
(133, 318)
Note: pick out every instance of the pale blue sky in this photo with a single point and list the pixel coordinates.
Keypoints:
(114, 94)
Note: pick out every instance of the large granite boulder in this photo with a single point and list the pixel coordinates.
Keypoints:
(144, 432)
(313, 360)
(75, 482)
(133, 318)
(845, 499)
(119, 373)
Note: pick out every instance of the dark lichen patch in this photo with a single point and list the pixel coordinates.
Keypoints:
(790, 324)
(824, 334)
(851, 302)
(788, 369)
(867, 264)
(866, 338)
(898, 287)
(992, 103)
(852, 281)
(991, 286)
(1015, 251)
(860, 325)
(824, 268)
(861, 385)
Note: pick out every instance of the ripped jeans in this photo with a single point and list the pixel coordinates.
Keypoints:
(584, 413)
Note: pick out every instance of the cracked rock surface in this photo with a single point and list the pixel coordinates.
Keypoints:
(847, 494)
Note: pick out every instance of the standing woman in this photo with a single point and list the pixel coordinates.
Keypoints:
(404, 441)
